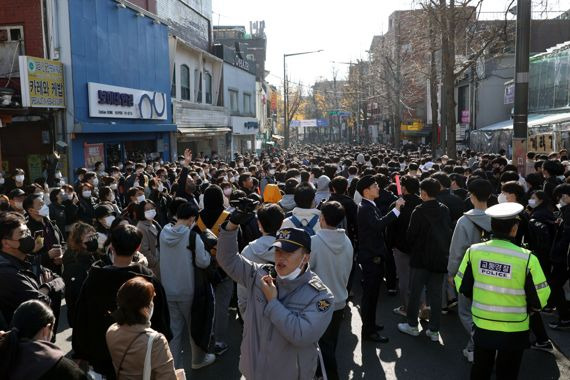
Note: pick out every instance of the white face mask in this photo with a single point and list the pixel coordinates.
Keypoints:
(86, 193)
(95, 182)
(43, 211)
(228, 191)
(502, 198)
(108, 220)
(113, 186)
(294, 274)
(20, 178)
(160, 188)
(2, 180)
(532, 203)
(58, 175)
(140, 198)
(150, 214)
(298, 179)
(562, 203)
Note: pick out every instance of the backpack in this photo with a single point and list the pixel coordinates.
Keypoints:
(213, 272)
(540, 237)
(210, 236)
(308, 227)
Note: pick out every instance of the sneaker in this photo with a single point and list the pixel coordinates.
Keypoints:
(560, 325)
(452, 303)
(208, 359)
(220, 348)
(433, 335)
(468, 355)
(407, 329)
(546, 346)
(400, 311)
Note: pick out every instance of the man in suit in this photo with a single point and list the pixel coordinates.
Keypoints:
(373, 249)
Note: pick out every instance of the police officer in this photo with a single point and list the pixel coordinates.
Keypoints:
(506, 283)
(289, 308)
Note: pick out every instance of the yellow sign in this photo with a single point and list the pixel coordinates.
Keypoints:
(42, 83)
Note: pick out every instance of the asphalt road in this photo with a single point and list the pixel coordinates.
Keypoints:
(404, 357)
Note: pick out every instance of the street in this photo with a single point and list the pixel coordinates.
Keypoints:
(404, 357)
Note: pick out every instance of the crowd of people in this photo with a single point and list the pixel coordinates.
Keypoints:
(149, 258)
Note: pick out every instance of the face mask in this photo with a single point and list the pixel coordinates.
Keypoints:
(95, 182)
(293, 275)
(233, 179)
(120, 166)
(58, 175)
(225, 178)
(140, 198)
(150, 214)
(27, 244)
(532, 203)
(139, 171)
(92, 245)
(2, 180)
(562, 203)
(108, 220)
(136, 184)
(112, 198)
(502, 198)
(44, 211)
(20, 178)
(228, 191)
(86, 193)
(113, 186)
(160, 188)
(271, 172)
(65, 197)
(181, 162)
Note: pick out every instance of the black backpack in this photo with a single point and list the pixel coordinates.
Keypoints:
(540, 237)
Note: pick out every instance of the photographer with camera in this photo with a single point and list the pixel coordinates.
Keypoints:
(289, 308)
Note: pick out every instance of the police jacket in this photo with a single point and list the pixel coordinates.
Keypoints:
(371, 226)
(279, 337)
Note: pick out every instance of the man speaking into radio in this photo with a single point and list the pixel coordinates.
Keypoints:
(506, 284)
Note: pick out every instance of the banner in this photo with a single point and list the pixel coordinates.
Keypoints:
(93, 153)
(42, 82)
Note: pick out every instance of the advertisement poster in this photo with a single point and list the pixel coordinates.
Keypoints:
(93, 153)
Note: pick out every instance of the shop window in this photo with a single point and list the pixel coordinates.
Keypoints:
(208, 87)
(198, 86)
(234, 101)
(173, 86)
(247, 104)
(13, 33)
(184, 82)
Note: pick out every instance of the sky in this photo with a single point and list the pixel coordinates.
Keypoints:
(343, 29)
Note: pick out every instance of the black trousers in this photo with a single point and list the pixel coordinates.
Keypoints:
(328, 343)
(390, 270)
(508, 363)
(371, 276)
(558, 278)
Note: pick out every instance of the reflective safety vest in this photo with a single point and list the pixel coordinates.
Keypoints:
(499, 270)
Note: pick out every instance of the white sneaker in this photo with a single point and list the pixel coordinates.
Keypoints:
(433, 335)
(407, 329)
(468, 355)
(208, 359)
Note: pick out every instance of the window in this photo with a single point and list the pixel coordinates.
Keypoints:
(234, 101)
(208, 85)
(197, 86)
(13, 33)
(173, 86)
(247, 104)
(184, 82)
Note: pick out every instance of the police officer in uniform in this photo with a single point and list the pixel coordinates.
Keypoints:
(506, 283)
(288, 307)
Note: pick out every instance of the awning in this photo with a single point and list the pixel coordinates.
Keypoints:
(534, 120)
(203, 132)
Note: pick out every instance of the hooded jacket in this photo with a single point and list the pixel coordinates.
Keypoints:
(176, 268)
(258, 251)
(280, 336)
(331, 259)
(430, 233)
(287, 203)
(467, 232)
(323, 191)
(305, 215)
(97, 301)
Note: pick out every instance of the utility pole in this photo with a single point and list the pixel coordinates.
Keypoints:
(520, 118)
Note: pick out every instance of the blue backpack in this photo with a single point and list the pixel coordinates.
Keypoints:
(309, 227)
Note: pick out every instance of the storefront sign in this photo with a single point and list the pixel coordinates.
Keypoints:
(125, 103)
(241, 63)
(93, 153)
(541, 143)
(42, 82)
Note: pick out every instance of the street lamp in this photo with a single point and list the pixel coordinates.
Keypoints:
(285, 94)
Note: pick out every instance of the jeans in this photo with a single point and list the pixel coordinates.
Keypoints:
(224, 291)
(180, 325)
(433, 283)
(464, 311)
(402, 261)
(508, 364)
(328, 343)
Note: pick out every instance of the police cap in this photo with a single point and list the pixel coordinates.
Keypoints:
(505, 211)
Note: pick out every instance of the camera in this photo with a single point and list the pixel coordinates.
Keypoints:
(244, 204)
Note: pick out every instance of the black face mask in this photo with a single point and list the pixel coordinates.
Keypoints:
(27, 244)
(92, 245)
